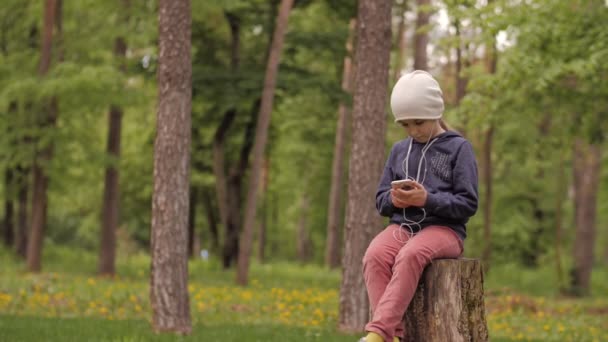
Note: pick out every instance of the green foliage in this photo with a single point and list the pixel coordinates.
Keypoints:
(551, 70)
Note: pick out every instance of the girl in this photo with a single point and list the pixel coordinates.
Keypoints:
(428, 209)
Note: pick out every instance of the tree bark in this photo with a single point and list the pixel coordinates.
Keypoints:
(221, 187)
(45, 151)
(461, 82)
(210, 211)
(264, 214)
(334, 212)
(421, 36)
(192, 221)
(559, 204)
(170, 201)
(9, 221)
(224, 192)
(401, 42)
(488, 170)
(488, 182)
(22, 224)
(366, 157)
(261, 136)
(586, 160)
(487, 205)
(111, 196)
(448, 304)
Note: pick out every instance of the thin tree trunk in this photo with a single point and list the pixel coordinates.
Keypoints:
(192, 221)
(22, 234)
(421, 36)
(221, 186)
(9, 226)
(219, 162)
(401, 43)
(111, 196)
(559, 203)
(235, 190)
(586, 160)
(45, 153)
(260, 141)
(487, 204)
(264, 214)
(334, 213)
(170, 201)
(461, 82)
(488, 170)
(210, 211)
(366, 159)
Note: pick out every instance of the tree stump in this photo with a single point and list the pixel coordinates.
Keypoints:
(448, 305)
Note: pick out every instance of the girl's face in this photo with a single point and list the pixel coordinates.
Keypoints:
(421, 130)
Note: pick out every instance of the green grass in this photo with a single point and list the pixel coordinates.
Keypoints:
(18, 329)
(283, 302)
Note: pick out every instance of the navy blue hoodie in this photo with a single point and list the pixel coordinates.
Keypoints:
(449, 171)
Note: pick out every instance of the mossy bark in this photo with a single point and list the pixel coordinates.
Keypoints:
(448, 304)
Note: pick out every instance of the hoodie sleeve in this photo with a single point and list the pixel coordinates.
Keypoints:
(383, 196)
(461, 203)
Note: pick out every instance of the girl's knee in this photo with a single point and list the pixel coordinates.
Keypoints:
(413, 257)
(376, 255)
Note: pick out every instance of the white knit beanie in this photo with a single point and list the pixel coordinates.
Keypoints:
(417, 95)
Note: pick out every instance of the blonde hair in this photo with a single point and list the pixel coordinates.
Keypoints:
(444, 125)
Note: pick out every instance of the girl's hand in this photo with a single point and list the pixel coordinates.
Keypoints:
(415, 197)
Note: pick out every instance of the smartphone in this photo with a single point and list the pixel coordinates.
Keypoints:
(405, 184)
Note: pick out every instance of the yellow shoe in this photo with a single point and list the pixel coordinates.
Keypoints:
(373, 337)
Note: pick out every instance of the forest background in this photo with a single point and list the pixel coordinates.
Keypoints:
(525, 81)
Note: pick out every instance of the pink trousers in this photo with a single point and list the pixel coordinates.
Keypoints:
(392, 266)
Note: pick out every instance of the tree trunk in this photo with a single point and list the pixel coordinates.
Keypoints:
(448, 304)
(559, 204)
(192, 221)
(488, 170)
(400, 43)
(586, 160)
(234, 190)
(334, 213)
(261, 135)
(221, 187)
(210, 211)
(487, 204)
(22, 224)
(45, 151)
(421, 37)
(230, 247)
(461, 82)
(170, 201)
(366, 158)
(111, 196)
(264, 214)
(9, 226)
